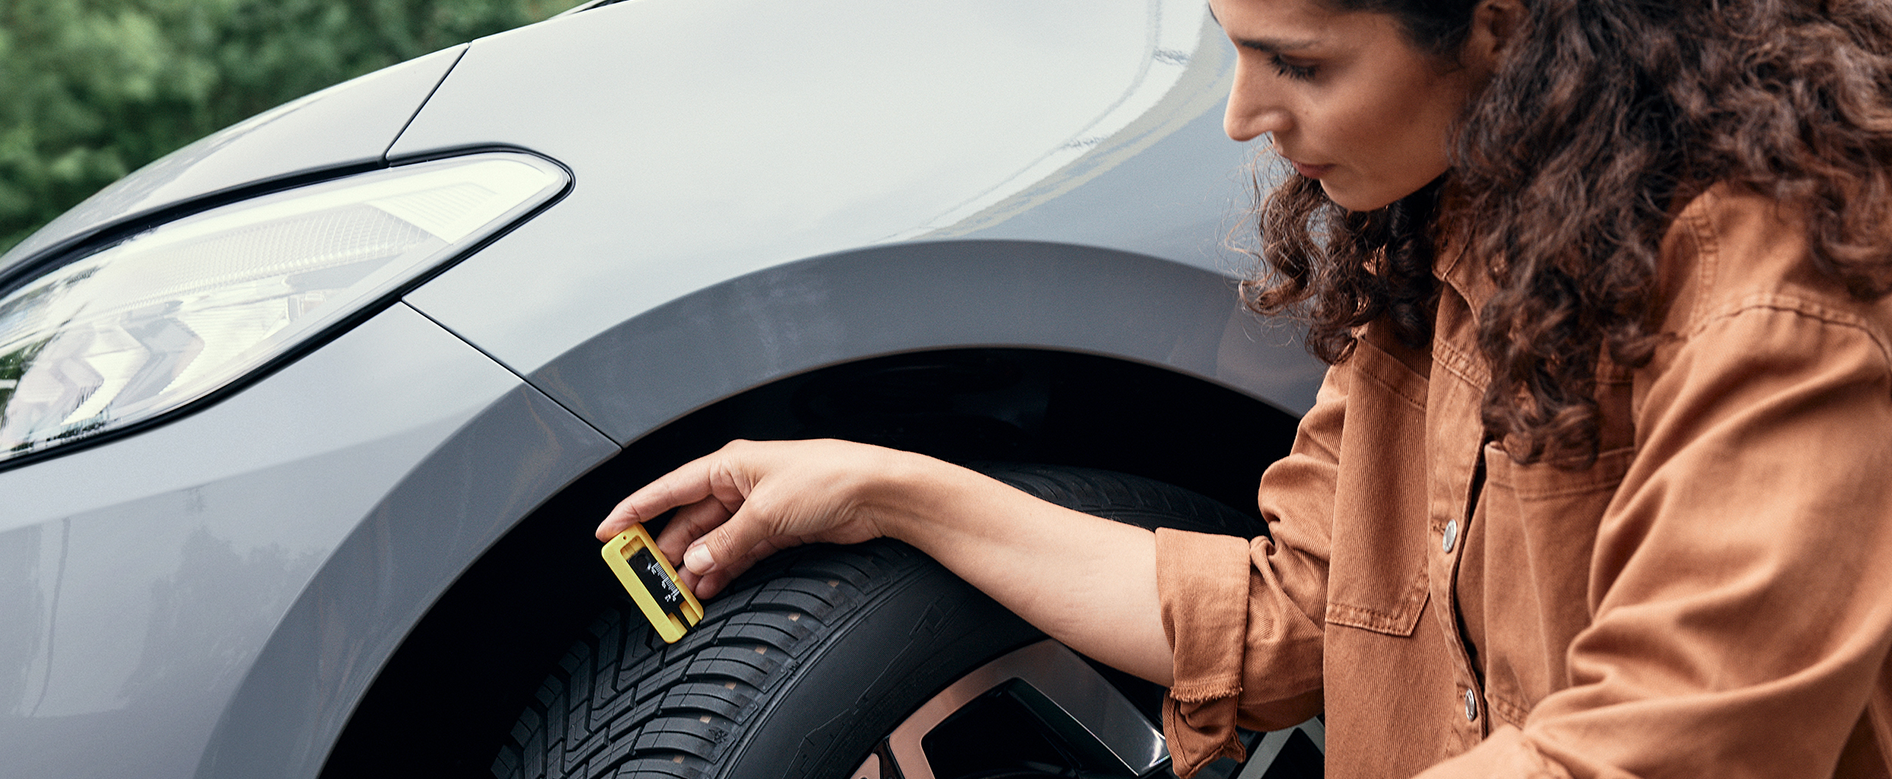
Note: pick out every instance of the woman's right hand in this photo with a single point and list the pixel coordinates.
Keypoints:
(751, 499)
(1086, 581)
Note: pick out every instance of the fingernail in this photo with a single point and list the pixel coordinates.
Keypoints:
(697, 558)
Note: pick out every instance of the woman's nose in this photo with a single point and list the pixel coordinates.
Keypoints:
(1253, 108)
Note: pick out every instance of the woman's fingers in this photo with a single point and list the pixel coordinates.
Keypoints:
(698, 529)
(706, 477)
(689, 524)
(748, 500)
(669, 491)
(737, 541)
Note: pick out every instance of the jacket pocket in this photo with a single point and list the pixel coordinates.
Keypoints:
(1539, 525)
(1377, 577)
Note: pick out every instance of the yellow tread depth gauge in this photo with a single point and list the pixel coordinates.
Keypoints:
(669, 606)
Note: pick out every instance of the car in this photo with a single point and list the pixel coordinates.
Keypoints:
(305, 427)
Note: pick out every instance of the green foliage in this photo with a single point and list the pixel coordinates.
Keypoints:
(93, 89)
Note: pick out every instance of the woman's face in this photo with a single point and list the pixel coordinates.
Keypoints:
(1346, 96)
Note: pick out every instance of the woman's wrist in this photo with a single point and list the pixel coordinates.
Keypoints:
(941, 508)
(897, 493)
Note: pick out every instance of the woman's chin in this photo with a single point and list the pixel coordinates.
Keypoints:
(1353, 199)
(1356, 204)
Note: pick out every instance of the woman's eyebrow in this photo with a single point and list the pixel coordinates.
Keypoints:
(1276, 45)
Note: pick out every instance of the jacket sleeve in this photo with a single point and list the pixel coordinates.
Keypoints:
(1238, 609)
(1739, 584)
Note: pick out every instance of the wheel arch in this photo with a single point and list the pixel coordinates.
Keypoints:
(785, 320)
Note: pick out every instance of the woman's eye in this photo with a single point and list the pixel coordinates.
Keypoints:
(1292, 70)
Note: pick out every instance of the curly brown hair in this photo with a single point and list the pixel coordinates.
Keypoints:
(1605, 113)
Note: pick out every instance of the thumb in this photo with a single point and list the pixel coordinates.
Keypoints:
(697, 559)
(723, 548)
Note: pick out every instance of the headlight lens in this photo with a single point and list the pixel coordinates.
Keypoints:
(154, 322)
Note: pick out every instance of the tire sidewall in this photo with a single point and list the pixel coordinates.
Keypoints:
(900, 647)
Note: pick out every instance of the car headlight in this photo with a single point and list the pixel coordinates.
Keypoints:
(146, 325)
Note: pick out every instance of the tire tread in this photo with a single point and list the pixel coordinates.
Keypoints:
(670, 710)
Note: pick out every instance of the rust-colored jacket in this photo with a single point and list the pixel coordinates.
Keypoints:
(1713, 597)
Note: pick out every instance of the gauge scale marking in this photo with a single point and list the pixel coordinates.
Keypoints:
(652, 583)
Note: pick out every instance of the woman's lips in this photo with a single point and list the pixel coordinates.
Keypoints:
(1310, 171)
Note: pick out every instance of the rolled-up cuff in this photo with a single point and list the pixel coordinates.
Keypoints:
(1202, 581)
(1191, 748)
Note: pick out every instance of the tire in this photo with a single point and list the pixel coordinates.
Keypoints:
(821, 659)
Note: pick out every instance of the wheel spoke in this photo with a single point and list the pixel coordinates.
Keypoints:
(870, 768)
(1064, 693)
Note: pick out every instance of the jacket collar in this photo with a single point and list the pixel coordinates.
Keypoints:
(1464, 275)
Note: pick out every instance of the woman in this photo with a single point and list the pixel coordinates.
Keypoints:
(1595, 486)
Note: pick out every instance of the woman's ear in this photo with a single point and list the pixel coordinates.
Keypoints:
(1496, 26)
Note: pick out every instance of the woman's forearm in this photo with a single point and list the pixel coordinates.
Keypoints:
(1086, 581)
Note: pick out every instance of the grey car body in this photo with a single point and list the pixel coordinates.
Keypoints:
(762, 192)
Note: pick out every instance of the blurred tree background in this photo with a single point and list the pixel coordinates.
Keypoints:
(91, 90)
